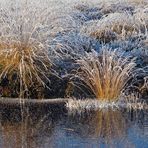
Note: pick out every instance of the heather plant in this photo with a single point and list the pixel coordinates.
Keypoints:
(106, 73)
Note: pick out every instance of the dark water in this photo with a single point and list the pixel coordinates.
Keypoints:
(55, 128)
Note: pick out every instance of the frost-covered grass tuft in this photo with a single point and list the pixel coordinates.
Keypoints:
(106, 73)
(24, 59)
(116, 26)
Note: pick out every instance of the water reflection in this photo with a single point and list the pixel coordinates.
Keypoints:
(109, 128)
(25, 133)
(27, 127)
(106, 128)
(108, 125)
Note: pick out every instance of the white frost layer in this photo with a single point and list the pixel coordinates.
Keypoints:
(89, 104)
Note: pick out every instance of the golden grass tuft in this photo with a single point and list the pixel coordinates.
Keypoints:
(106, 74)
(29, 62)
(24, 55)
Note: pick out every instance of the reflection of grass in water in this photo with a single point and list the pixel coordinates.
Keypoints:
(109, 125)
(106, 126)
(106, 74)
(25, 133)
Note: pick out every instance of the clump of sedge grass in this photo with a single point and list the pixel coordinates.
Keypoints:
(106, 73)
(24, 59)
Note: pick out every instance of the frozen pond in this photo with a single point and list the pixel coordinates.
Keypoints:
(55, 127)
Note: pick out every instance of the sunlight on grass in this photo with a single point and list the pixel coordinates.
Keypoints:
(106, 74)
(24, 56)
